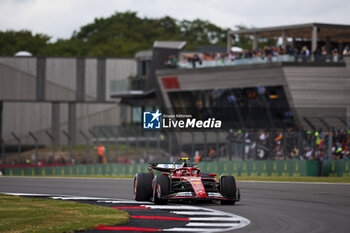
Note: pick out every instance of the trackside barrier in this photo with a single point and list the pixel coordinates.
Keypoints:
(79, 170)
(262, 168)
(236, 168)
(336, 168)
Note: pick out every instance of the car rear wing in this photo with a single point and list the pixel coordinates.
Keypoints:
(167, 167)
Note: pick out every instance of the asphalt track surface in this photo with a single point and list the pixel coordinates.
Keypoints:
(270, 206)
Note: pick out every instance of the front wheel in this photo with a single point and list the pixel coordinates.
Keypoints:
(160, 189)
(228, 189)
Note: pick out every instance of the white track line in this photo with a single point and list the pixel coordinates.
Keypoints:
(198, 213)
(196, 229)
(82, 198)
(207, 219)
(208, 224)
(28, 194)
(128, 202)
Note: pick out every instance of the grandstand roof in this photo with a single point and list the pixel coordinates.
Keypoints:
(169, 44)
(337, 32)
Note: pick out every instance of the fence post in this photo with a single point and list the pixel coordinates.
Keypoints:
(284, 142)
(127, 146)
(96, 141)
(206, 143)
(69, 138)
(19, 145)
(192, 144)
(137, 138)
(3, 150)
(243, 143)
(169, 143)
(257, 140)
(147, 145)
(52, 141)
(217, 147)
(107, 147)
(86, 145)
(36, 146)
(180, 143)
(116, 148)
(158, 144)
(330, 136)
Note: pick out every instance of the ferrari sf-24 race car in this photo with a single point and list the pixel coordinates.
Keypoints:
(183, 182)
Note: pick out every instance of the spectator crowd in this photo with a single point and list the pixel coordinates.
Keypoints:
(302, 54)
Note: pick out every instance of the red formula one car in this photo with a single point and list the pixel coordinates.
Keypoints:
(183, 182)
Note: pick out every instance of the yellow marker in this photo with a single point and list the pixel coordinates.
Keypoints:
(347, 166)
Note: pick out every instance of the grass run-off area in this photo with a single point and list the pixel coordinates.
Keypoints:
(321, 179)
(22, 214)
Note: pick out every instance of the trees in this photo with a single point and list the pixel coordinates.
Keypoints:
(15, 41)
(120, 35)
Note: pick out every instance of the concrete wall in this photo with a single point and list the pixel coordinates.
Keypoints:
(24, 64)
(18, 83)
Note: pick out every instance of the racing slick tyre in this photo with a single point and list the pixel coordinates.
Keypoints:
(160, 189)
(228, 189)
(143, 186)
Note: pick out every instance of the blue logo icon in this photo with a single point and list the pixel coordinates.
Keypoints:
(152, 120)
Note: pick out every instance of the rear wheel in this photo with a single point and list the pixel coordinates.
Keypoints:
(143, 186)
(228, 189)
(160, 189)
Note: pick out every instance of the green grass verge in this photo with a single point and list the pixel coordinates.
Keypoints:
(20, 214)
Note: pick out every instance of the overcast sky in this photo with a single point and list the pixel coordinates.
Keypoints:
(59, 18)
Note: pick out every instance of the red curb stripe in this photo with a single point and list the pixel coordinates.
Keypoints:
(131, 207)
(161, 217)
(126, 228)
